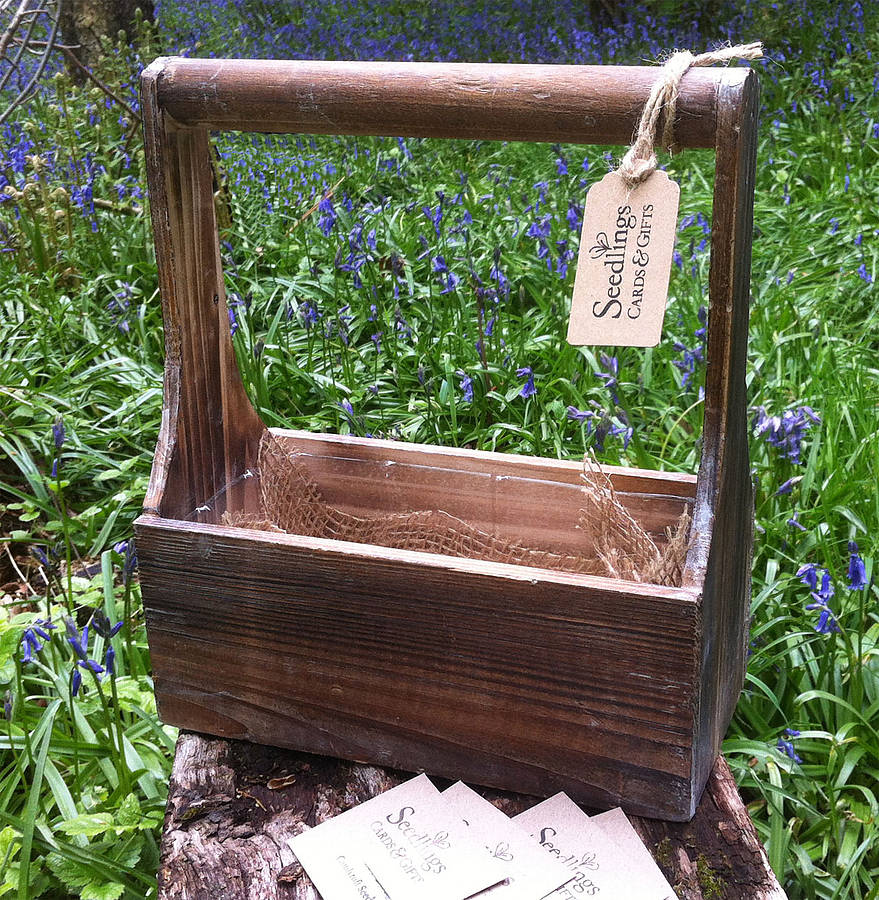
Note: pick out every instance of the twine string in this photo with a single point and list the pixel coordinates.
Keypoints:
(640, 159)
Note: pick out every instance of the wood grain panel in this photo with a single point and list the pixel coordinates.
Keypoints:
(386, 655)
(581, 104)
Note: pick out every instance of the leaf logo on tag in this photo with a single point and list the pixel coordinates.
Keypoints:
(626, 248)
(502, 851)
(601, 246)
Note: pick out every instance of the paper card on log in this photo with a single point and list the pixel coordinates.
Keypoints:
(600, 867)
(409, 839)
(531, 876)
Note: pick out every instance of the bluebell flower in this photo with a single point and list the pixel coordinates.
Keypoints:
(489, 326)
(623, 429)
(377, 340)
(808, 575)
(786, 431)
(30, 638)
(787, 748)
(127, 550)
(104, 627)
(528, 389)
(439, 264)
(466, 387)
(582, 416)
(54, 474)
(857, 572)
(110, 659)
(328, 216)
(58, 433)
(233, 322)
(7, 706)
(451, 282)
(864, 274)
(821, 598)
(310, 314)
(435, 216)
(794, 522)
(39, 554)
(611, 363)
(788, 486)
(347, 407)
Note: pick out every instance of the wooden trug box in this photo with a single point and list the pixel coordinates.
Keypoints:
(511, 676)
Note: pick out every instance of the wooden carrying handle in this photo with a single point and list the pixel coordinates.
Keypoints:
(210, 430)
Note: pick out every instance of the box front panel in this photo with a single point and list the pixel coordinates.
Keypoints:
(516, 678)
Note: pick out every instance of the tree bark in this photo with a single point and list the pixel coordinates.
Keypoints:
(233, 806)
(85, 22)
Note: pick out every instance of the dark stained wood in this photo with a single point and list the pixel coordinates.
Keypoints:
(581, 104)
(209, 428)
(233, 806)
(719, 559)
(511, 676)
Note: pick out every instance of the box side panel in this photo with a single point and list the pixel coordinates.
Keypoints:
(511, 677)
(531, 504)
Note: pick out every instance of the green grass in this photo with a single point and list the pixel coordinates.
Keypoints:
(82, 779)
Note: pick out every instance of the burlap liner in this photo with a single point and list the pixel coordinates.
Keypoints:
(291, 502)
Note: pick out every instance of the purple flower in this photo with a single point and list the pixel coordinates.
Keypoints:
(328, 216)
(104, 627)
(826, 620)
(377, 340)
(857, 572)
(310, 314)
(808, 575)
(794, 522)
(435, 215)
(58, 433)
(787, 748)
(623, 429)
(349, 409)
(583, 416)
(864, 274)
(451, 282)
(466, 387)
(30, 638)
(788, 485)
(528, 389)
(233, 322)
(611, 363)
(439, 264)
(110, 659)
(786, 431)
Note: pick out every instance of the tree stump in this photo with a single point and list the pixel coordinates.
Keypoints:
(233, 806)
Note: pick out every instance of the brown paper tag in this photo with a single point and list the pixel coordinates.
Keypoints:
(626, 247)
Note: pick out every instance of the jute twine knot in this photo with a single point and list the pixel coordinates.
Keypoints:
(640, 159)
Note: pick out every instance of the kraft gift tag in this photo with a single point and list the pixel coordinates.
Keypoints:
(624, 263)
